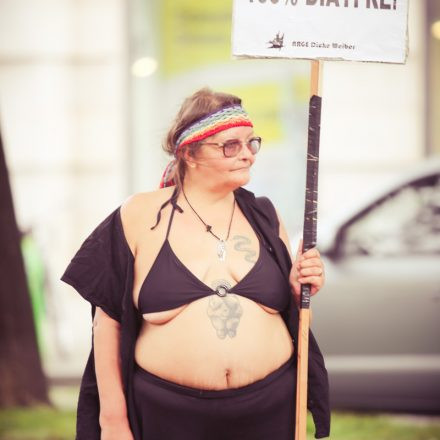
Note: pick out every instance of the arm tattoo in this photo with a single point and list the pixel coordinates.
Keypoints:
(224, 311)
(240, 245)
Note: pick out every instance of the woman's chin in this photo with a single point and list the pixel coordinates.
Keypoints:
(239, 178)
(242, 180)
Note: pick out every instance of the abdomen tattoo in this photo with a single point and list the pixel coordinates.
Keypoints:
(224, 310)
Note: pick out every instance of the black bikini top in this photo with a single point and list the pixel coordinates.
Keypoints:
(170, 284)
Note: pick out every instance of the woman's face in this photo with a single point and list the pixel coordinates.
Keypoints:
(215, 168)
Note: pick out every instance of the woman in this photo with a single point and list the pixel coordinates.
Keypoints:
(213, 355)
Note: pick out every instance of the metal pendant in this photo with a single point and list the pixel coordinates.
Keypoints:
(221, 250)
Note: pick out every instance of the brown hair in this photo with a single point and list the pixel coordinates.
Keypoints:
(194, 107)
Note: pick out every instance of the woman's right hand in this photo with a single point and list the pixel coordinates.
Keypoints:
(116, 431)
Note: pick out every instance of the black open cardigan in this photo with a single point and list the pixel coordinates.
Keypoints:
(102, 272)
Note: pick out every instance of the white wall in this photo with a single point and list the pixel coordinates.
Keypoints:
(373, 121)
(62, 115)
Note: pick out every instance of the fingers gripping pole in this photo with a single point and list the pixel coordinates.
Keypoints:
(309, 241)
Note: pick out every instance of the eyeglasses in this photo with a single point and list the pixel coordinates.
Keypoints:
(232, 147)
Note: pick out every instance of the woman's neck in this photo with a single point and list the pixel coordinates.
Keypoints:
(206, 198)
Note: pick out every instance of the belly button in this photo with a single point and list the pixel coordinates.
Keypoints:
(227, 376)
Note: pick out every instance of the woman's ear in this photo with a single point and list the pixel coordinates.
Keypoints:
(188, 158)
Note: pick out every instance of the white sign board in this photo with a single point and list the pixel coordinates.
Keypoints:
(353, 30)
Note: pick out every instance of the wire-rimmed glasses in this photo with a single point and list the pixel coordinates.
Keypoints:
(233, 146)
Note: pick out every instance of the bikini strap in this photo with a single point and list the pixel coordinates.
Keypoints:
(170, 221)
(173, 200)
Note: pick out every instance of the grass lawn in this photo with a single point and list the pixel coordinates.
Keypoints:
(40, 423)
(358, 426)
(44, 423)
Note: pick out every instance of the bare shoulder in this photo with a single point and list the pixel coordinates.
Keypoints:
(140, 209)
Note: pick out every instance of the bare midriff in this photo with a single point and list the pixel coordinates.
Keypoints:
(182, 346)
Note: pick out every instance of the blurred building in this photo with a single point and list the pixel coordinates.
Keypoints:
(88, 89)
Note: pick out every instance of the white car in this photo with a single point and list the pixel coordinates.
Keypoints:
(377, 319)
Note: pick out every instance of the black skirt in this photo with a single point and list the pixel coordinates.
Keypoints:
(262, 410)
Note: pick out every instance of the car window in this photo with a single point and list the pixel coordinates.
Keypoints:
(407, 222)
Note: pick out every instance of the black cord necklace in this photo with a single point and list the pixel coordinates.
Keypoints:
(221, 245)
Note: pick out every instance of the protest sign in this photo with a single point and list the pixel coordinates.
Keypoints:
(352, 30)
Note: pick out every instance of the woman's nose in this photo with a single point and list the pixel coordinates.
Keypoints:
(245, 152)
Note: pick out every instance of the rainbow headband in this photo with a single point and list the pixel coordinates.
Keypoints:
(227, 117)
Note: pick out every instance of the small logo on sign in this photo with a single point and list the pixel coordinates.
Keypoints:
(277, 42)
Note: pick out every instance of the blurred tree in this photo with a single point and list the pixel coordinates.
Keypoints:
(22, 380)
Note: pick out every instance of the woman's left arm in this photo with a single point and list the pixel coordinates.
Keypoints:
(307, 267)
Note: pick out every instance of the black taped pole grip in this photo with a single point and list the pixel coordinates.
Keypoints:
(311, 200)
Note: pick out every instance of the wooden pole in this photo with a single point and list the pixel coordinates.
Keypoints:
(309, 241)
